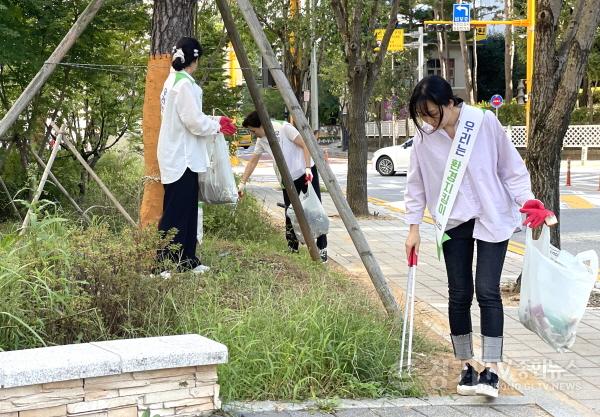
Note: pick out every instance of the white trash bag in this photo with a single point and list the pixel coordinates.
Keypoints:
(315, 215)
(217, 184)
(555, 288)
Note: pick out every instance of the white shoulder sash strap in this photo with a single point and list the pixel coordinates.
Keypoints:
(456, 165)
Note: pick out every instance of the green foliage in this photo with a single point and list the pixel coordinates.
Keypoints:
(584, 116)
(122, 173)
(210, 73)
(294, 329)
(512, 114)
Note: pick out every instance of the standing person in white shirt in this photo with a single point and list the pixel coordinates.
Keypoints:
(182, 152)
(481, 210)
(301, 166)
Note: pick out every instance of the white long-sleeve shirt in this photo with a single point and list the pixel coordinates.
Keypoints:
(495, 185)
(181, 141)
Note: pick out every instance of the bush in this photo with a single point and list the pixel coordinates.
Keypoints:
(512, 114)
(294, 329)
(584, 116)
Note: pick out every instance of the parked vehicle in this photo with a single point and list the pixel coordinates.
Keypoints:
(392, 159)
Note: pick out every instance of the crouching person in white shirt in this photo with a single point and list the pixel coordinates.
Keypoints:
(182, 153)
(301, 166)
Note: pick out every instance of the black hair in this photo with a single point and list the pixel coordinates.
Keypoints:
(436, 90)
(252, 120)
(192, 50)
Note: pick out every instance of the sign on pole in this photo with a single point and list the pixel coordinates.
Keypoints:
(461, 17)
(481, 33)
(496, 101)
(396, 41)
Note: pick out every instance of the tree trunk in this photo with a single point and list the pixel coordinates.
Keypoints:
(356, 189)
(509, 52)
(171, 20)
(585, 87)
(557, 77)
(464, 51)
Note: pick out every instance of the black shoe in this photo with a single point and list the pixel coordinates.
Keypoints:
(468, 381)
(323, 254)
(488, 383)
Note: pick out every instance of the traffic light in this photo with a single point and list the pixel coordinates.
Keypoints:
(438, 27)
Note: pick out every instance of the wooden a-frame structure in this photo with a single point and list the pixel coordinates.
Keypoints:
(292, 104)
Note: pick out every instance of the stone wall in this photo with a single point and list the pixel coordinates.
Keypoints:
(167, 392)
(140, 382)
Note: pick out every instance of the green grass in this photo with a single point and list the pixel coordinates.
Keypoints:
(294, 329)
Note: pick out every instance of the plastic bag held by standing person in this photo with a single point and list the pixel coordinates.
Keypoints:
(217, 184)
(555, 288)
(315, 215)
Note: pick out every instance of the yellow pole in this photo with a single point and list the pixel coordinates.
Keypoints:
(233, 79)
(529, 71)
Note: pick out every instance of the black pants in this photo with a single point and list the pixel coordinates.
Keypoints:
(290, 235)
(180, 211)
(458, 255)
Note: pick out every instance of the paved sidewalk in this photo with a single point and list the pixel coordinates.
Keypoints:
(562, 383)
(409, 407)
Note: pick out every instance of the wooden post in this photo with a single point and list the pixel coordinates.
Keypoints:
(48, 68)
(12, 203)
(10, 199)
(268, 127)
(59, 186)
(331, 183)
(97, 179)
(40, 188)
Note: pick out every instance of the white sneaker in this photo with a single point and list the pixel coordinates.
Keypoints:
(201, 269)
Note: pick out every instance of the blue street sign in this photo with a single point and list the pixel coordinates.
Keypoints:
(461, 17)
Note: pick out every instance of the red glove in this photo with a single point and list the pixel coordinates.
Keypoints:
(308, 176)
(227, 126)
(536, 214)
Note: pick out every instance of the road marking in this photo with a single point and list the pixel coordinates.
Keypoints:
(576, 202)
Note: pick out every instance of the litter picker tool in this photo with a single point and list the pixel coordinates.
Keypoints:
(409, 311)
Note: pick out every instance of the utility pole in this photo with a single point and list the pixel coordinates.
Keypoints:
(314, 82)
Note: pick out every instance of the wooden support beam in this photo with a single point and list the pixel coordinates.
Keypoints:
(49, 66)
(59, 186)
(10, 199)
(265, 121)
(38, 192)
(103, 187)
(361, 244)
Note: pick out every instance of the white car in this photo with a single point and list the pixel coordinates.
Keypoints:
(387, 161)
